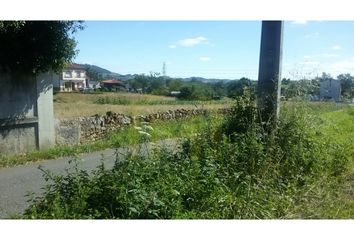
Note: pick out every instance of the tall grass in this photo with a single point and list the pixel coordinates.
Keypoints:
(231, 169)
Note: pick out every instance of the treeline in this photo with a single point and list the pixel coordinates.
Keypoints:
(195, 89)
(189, 90)
(306, 88)
(198, 90)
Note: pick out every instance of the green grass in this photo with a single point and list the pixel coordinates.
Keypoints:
(128, 136)
(231, 169)
(339, 125)
(334, 196)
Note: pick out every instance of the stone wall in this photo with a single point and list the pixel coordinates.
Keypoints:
(86, 129)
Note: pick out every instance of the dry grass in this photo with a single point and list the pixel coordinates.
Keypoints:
(79, 97)
(71, 105)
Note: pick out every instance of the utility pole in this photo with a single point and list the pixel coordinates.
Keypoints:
(164, 72)
(164, 69)
(269, 82)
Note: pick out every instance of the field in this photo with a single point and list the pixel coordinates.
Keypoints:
(71, 105)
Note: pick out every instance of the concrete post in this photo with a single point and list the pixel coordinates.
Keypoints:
(45, 112)
(26, 113)
(268, 98)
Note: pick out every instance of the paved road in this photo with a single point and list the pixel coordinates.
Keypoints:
(16, 182)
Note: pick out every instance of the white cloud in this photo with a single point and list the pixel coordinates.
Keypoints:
(344, 66)
(308, 56)
(205, 59)
(190, 42)
(336, 47)
(299, 22)
(172, 46)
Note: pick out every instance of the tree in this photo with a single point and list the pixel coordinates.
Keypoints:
(37, 46)
(186, 93)
(236, 88)
(347, 83)
(325, 77)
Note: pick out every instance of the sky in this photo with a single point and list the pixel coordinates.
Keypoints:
(215, 49)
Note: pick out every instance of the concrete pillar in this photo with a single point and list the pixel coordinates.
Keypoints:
(26, 113)
(45, 112)
(270, 71)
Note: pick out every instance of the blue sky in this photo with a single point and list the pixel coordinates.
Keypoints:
(215, 49)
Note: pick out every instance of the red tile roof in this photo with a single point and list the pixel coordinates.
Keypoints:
(112, 82)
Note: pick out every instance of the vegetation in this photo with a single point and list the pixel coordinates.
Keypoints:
(197, 90)
(36, 46)
(305, 88)
(127, 103)
(126, 137)
(230, 170)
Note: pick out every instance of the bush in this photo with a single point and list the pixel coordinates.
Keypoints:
(233, 170)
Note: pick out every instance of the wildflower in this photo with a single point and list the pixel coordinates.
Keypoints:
(144, 133)
(148, 128)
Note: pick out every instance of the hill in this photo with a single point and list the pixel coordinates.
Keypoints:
(98, 73)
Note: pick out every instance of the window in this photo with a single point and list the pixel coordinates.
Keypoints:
(67, 74)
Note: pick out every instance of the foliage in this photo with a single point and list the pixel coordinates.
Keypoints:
(236, 88)
(126, 101)
(347, 85)
(195, 91)
(122, 138)
(305, 88)
(37, 46)
(190, 90)
(250, 175)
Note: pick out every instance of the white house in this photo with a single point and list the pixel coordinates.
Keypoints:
(330, 90)
(72, 78)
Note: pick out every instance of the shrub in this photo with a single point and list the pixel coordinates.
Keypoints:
(232, 170)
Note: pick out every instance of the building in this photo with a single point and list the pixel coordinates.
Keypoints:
(113, 85)
(330, 90)
(73, 77)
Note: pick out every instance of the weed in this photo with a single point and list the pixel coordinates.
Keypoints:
(240, 172)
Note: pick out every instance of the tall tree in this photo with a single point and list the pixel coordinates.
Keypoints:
(347, 85)
(37, 46)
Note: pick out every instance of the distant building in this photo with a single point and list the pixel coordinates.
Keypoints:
(175, 93)
(73, 78)
(113, 85)
(330, 90)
